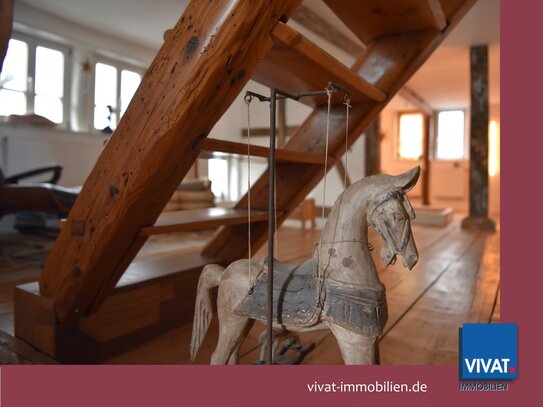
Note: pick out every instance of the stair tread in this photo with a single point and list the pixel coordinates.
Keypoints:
(146, 270)
(193, 219)
(370, 20)
(224, 146)
(297, 65)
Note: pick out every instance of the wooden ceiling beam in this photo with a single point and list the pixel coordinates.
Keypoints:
(415, 99)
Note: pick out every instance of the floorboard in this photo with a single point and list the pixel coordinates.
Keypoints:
(457, 280)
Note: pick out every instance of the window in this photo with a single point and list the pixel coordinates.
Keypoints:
(114, 86)
(411, 132)
(218, 175)
(450, 135)
(33, 79)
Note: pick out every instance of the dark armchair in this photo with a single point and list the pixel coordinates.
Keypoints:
(44, 197)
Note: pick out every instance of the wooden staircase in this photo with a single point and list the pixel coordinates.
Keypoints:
(93, 298)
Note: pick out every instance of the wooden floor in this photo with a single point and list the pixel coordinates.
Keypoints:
(456, 281)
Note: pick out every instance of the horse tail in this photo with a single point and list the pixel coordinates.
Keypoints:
(203, 311)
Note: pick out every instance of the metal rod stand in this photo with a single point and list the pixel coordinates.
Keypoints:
(271, 226)
(276, 94)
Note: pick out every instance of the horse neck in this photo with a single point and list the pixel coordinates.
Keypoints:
(344, 241)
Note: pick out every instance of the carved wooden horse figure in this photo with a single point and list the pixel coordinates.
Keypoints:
(338, 288)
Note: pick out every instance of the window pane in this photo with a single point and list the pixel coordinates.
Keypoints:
(450, 135)
(49, 72)
(104, 117)
(411, 134)
(129, 84)
(218, 175)
(49, 107)
(12, 102)
(105, 85)
(15, 69)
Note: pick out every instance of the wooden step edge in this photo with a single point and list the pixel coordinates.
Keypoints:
(440, 22)
(153, 296)
(195, 219)
(337, 72)
(370, 23)
(232, 147)
(148, 270)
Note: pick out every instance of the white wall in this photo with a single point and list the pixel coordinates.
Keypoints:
(24, 147)
(449, 180)
(32, 20)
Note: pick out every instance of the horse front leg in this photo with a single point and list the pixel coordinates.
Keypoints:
(356, 349)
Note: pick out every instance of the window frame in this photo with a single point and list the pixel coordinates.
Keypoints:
(119, 65)
(399, 113)
(33, 42)
(465, 141)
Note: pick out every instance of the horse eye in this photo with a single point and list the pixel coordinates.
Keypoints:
(399, 217)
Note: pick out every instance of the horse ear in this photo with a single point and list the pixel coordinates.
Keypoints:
(408, 179)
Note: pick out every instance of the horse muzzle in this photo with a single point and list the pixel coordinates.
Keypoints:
(410, 255)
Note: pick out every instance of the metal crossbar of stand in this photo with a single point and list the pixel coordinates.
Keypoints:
(277, 94)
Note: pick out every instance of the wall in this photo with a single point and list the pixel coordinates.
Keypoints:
(24, 147)
(449, 180)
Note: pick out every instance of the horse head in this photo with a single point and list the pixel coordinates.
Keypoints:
(390, 214)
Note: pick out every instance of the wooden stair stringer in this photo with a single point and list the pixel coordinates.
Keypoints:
(387, 64)
(202, 66)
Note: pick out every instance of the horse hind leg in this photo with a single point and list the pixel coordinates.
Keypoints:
(232, 331)
(234, 357)
(356, 349)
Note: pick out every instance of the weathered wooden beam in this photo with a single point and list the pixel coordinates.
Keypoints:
(204, 63)
(478, 168)
(6, 24)
(425, 173)
(372, 160)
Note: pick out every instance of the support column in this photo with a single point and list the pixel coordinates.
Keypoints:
(478, 173)
(373, 149)
(425, 175)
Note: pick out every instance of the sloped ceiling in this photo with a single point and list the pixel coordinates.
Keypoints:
(443, 81)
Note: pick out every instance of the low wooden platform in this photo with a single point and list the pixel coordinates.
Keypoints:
(431, 216)
(16, 352)
(154, 296)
